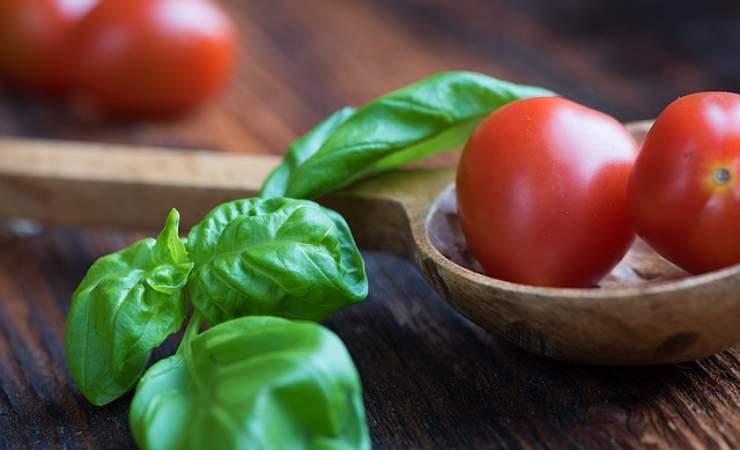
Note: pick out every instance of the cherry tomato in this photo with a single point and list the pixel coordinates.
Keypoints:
(153, 56)
(684, 193)
(541, 190)
(34, 40)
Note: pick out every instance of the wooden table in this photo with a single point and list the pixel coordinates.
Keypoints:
(431, 379)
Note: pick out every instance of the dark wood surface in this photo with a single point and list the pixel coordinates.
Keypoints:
(431, 379)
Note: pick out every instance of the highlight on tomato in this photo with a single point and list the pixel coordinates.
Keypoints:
(153, 56)
(34, 42)
(684, 193)
(542, 193)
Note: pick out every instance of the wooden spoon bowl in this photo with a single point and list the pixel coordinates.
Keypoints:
(647, 311)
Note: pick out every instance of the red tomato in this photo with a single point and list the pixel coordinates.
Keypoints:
(541, 191)
(684, 193)
(153, 56)
(34, 39)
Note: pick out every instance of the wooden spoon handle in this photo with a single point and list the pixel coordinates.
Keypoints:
(119, 186)
(102, 185)
(134, 187)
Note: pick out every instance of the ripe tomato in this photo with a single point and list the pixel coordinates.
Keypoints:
(541, 190)
(153, 56)
(684, 193)
(34, 39)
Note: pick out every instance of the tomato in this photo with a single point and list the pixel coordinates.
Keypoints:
(153, 56)
(34, 39)
(542, 193)
(684, 193)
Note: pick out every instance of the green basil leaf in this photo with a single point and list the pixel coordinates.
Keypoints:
(253, 383)
(276, 184)
(420, 120)
(283, 257)
(126, 305)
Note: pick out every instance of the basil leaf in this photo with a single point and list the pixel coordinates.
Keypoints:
(126, 305)
(280, 256)
(425, 118)
(256, 383)
(302, 149)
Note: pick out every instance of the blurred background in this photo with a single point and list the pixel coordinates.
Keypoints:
(301, 60)
(447, 381)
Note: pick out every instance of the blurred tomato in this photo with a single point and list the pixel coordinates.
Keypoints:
(153, 56)
(34, 39)
(684, 192)
(542, 193)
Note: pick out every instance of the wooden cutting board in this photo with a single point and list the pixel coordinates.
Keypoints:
(431, 379)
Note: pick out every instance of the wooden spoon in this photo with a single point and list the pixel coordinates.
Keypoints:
(647, 311)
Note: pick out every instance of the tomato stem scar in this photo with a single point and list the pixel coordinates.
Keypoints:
(722, 176)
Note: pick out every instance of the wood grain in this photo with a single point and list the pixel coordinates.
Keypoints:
(431, 379)
(94, 185)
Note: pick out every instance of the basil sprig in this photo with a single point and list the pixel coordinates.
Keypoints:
(256, 382)
(283, 257)
(280, 256)
(126, 305)
(428, 117)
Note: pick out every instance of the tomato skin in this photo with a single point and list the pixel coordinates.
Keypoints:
(676, 204)
(153, 56)
(541, 191)
(34, 41)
